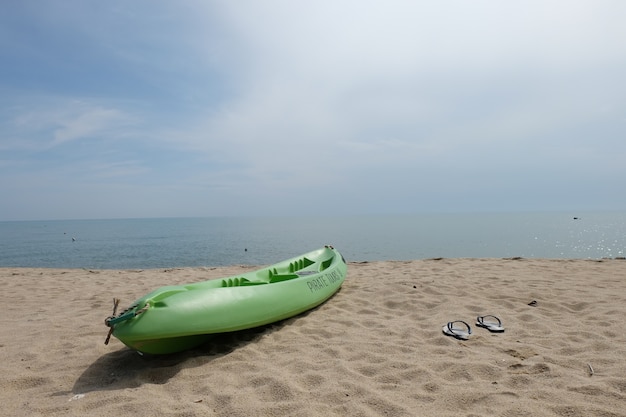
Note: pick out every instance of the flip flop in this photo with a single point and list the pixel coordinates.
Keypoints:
(457, 332)
(490, 324)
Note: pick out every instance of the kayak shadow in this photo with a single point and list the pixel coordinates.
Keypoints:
(126, 368)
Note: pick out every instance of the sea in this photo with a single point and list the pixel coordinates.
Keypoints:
(224, 241)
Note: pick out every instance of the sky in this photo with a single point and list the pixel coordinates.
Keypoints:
(199, 108)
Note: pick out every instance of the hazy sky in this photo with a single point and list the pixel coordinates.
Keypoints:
(151, 108)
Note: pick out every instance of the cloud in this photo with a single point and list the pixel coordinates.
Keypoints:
(44, 122)
(403, 39)
(400, 90)
(87, 123)
(331, 66)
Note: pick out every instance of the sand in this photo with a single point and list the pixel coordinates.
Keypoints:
(375, 349)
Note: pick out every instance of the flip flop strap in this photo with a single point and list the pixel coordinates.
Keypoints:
(482, 319)
(454, 331)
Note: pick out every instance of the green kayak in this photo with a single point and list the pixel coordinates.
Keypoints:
(178, 317)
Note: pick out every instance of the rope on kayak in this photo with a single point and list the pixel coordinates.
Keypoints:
(146, 307)
(116, 302)
(112, 320)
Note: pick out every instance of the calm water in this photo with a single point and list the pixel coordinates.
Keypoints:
(161, 243)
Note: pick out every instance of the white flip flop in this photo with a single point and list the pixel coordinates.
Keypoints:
(492, 323)
(456, 331)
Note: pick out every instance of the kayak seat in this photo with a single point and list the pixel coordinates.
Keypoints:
(282, 277)
(326, 264)
(239, 282)
(300, 264)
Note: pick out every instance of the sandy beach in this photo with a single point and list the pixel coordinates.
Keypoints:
(374, 349)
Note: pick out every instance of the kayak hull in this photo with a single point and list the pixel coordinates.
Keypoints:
(179, 317)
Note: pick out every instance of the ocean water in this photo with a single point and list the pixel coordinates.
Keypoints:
(192, 242)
